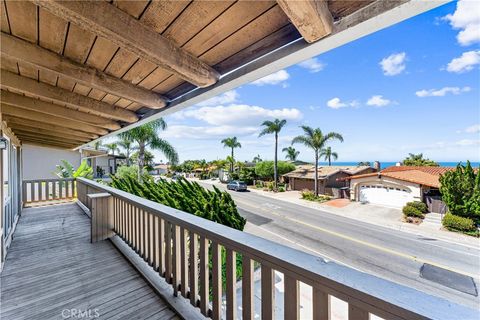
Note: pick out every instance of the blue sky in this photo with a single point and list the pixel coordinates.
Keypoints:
(413, 87)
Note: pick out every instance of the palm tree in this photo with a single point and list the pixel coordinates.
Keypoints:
(112, 147)
(146, 136)
(328, 155)
(231, 143)
(292, 153)
(274, 127)
(257, 159)
(97, 144)
(126, 145)
(316, 140)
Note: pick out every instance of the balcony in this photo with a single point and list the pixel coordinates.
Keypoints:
(76, 256)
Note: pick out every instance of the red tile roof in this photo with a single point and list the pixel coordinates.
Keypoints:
(427, 176)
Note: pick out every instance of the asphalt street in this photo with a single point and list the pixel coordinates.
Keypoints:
(437, 267)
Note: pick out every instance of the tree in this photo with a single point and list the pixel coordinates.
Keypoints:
(97, 144)
(417, 160)
(460, 189)
(328, 155)
(257, 159)
(148, 160)
(292, 153)
(128, 147)
(274, 127)
(146, 136)
(231, 143)
(265, 169)
(66, 170)
(316, 140)
(364, 163)
(112, 147)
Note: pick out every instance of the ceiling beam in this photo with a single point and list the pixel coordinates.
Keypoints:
(312, 18)
(49, 137)
(33, 104)
(15, 82)
(43, 59)
(46, 118)
(35, 126)
(44, 143)
(106, 20)
(40, 131)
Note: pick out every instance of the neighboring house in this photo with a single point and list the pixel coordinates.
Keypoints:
(330, 178)
(102, 163)
(397, 185)
(41, 162)
(159, 169)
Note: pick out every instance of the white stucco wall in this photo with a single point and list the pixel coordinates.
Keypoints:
(355, 183)
(40, 162)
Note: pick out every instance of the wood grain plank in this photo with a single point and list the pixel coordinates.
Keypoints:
(23, 19)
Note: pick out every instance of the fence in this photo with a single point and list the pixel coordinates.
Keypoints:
(47, 190)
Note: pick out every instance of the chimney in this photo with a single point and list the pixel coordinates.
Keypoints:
(377, 166)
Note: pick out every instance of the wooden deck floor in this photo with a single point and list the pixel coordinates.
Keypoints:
(51, 267)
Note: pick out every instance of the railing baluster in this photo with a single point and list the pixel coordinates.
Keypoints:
(149, 239)
(193, 261)
(115, 215)
(321, 304)
(268, 293)
(247, 288)
(47, 190)
(130, 225)
(168, 252)
(291, 298)
(143, 234)
(204, 276)
(32, 191)
(176, 259)
(357, 313)
(137, 230)
(39, 190)
(155, 241)
(184, 262)
(54, 190)
(161, 246)
(74, 184)
(216, 281)
(231, 279)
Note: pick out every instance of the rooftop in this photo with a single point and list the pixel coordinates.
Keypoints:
(308, 171)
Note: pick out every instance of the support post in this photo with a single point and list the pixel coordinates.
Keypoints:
(102, 216)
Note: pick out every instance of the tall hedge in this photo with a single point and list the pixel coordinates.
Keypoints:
(187, 196)
(460, 189)
(264, 169)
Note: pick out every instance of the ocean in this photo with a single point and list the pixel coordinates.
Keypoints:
(384, 165)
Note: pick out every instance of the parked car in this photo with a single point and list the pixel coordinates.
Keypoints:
(237, 185)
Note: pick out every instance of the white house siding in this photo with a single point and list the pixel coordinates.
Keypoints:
(40, 162)
(414, 190)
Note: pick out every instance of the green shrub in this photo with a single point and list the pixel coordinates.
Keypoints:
(409, 211)
(281, 189)
(308, 195)
(422, 207)
(457, 223)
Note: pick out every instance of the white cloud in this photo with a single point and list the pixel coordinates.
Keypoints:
(314, 65)
(465, 62)
(473, 129)
(441, 92)
(467, 142)
(393, 64)
(467, 19)
(378, 101)
(224, 98)
(206, 132)
(336, 103)
(278, 77)
(240, 114)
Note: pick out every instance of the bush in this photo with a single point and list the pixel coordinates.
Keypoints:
(131, 172)
(456, 223)
(281, 189)
(409, 211)
(264, 169)
(422, 207)
(308, 195)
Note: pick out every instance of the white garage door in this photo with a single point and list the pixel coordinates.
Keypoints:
(385, 196)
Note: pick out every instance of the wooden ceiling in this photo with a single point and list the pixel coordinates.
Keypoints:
(74, 71)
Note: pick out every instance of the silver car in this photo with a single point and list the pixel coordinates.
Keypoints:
(237, 185)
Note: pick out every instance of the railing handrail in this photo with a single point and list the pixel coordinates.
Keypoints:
(48, 180)
(381, 296)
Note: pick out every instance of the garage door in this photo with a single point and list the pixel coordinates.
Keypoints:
(385, 196)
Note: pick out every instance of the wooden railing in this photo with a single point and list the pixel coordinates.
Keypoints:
(47, 190)
(186, 251)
